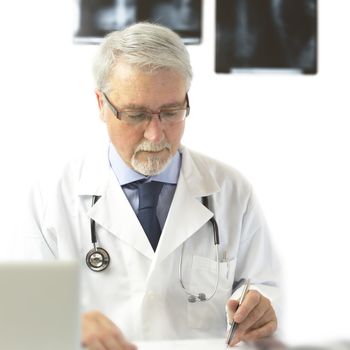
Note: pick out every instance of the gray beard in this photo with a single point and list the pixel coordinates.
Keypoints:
(151, 166)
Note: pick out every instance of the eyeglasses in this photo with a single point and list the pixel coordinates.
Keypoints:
(167, 116)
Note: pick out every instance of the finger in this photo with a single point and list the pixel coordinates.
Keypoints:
(250, 304)
(93, 345)
(251, 300)
(262, 313)
(112, 337)
(264, 331)
(231, 308)
(242, 332)
(235, 340)
(104, 321)
(130, 346)
(267, 317)
(110, 340)
(90, 329)
(100, 333)
(112, 343)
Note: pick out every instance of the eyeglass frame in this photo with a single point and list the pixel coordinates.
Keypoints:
(116, 113)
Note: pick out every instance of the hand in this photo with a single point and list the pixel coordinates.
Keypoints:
(100, 333)
(256, 317)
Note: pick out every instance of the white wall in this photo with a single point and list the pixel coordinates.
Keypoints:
(288, 134)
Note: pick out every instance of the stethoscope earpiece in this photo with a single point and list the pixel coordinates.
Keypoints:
(194, 298)
(202, 297)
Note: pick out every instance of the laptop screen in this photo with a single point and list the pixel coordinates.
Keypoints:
(39, 306)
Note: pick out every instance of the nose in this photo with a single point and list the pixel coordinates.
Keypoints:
(154, 130)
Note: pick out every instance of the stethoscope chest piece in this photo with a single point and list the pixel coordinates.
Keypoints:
(97, 259)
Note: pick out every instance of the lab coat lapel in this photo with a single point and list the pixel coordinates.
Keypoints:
(113, 210)
(187, 214)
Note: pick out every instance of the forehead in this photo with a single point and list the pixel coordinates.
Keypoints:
(128, 81)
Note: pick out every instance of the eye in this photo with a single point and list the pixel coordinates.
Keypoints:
(136, 116)
(169, 114)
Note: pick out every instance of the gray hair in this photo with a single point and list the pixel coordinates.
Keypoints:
(145, 45)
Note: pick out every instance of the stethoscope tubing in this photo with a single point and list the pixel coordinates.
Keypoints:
(193, 297)
(92, 224)
(98, 259)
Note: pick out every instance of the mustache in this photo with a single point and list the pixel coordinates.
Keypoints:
(147, 146)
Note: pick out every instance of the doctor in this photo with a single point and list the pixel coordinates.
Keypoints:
(169, 282)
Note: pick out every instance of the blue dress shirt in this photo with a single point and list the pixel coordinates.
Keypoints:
(126, 176)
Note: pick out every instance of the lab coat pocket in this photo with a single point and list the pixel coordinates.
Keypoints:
(210, 314)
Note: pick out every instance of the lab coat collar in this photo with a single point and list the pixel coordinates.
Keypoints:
(187, 214)
(113, 212)
(94, 172)
(197, 175)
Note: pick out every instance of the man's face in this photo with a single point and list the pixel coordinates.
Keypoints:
(146, 148)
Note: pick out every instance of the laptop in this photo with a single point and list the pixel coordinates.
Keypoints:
(39, 306)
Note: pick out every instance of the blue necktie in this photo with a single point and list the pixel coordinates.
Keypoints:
(147, 212)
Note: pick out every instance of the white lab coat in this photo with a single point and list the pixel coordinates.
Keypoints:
(140, 291)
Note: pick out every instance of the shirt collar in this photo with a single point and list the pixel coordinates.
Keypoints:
(126, 175)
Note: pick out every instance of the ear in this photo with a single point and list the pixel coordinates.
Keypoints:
(100, 103)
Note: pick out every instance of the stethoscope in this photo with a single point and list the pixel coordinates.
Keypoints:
(194, 297)
(98, 259)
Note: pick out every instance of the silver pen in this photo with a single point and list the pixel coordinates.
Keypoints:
(234, 325)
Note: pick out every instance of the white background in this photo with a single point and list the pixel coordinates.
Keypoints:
(288, 134)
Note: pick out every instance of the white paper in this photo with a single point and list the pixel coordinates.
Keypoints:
(191, 344)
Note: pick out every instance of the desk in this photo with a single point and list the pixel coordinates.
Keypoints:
(220, 344)
(191, 344)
